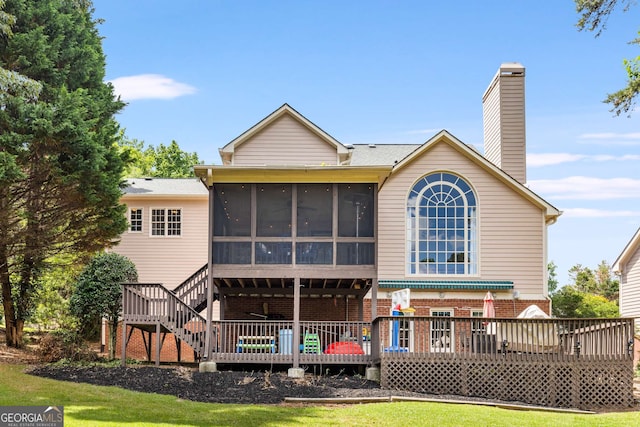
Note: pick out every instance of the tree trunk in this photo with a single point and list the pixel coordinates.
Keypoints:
(113, 335)
(14, 327)
(12, 333)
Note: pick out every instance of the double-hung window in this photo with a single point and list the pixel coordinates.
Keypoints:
(166, 222)
(135, 220)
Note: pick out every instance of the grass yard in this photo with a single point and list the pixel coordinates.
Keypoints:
(89, 405)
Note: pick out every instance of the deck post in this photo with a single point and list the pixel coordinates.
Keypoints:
(158, 344)
(296, 322)
(208, 347)
(374, 297)
(123, 344)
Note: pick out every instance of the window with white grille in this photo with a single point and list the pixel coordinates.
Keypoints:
(441, 226)
(166, 222)
(135, 220)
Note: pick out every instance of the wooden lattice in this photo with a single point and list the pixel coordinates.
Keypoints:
(581, 383)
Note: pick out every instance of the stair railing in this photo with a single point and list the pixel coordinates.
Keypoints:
(193, 291)
(147, 303)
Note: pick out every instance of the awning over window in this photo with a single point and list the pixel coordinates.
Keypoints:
(485, 285)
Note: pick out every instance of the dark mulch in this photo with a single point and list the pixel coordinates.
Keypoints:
(226, 386)
(256, 387)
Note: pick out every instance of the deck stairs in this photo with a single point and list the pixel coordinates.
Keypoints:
(145, 305)
(193, 291)
(185, 323)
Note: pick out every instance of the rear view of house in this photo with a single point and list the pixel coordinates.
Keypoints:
(310, 244)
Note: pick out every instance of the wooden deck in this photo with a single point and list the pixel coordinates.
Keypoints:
(579, 363)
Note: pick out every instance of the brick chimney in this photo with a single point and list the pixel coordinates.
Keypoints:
(504, 121)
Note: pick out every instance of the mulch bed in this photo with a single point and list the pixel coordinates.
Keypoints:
(238, 387)
(217, 387)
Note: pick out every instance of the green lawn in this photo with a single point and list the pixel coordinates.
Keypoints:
(89, 405)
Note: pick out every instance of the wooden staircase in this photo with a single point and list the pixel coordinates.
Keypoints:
(177, 311)
(193, 291)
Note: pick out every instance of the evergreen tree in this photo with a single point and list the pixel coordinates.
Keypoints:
(593, 17)
(60, 170)
(98, 293)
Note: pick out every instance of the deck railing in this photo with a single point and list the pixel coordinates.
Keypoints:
(577, 363)
(275, 341)
(553, 339)
(386, 336)
(149, 304)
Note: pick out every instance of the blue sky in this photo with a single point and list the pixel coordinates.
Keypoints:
(202, 72)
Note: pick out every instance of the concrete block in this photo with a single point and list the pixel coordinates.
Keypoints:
(295, 373)
(373, 374)
(208, 367)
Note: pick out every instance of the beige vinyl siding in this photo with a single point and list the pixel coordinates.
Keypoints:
(513, 128)
(511, 230)
(630, 287)
(167, 260)
(492, 135)
(505, 134)
(285, 142)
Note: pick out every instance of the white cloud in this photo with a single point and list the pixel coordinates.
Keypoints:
(586, 188)
(549, 159)
(150, 86)
(612, 138)
(597, 213)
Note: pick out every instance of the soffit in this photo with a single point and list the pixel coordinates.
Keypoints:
(307, 174)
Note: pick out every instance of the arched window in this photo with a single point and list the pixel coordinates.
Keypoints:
(441, 226)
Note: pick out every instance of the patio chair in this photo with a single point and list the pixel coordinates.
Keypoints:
(311, 343)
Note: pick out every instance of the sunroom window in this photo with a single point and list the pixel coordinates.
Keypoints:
(442, 226)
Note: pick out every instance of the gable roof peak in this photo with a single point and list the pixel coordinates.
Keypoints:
(470, 152)
(226, 152)
(619, 265)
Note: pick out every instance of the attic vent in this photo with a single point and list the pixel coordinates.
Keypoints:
(372, 145)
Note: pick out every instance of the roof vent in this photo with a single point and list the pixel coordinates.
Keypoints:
(372, 145)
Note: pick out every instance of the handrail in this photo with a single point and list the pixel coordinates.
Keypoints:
(193, 291)
(145, 303)
(540, 339)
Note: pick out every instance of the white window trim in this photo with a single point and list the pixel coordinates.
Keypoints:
(413, 234)
(166, 219)
(447, 343)
(141, 221)
(476, 312)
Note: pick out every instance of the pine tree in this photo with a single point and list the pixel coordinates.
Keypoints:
(60, 171)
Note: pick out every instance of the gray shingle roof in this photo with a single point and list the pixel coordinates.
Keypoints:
(165, 186)
(380, 154)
